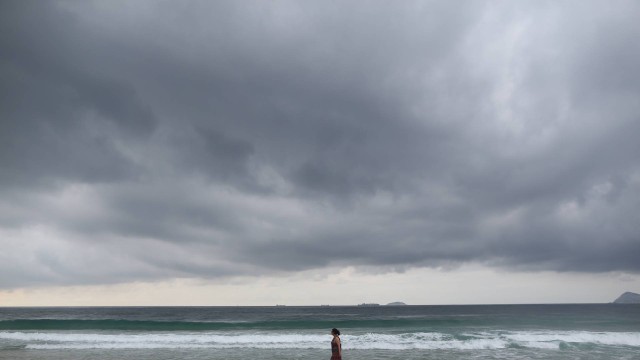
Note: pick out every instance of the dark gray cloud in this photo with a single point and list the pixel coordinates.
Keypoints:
(59, 110)
(153, 140)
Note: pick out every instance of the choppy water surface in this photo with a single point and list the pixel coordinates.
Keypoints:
(605, 331)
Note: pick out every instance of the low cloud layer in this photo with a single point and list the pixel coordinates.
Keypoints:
(151, 140)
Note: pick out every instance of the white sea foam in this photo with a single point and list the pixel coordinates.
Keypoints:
(601, 338)
(264, 340)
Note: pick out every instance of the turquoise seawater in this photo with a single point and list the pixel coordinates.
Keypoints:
(593, 331)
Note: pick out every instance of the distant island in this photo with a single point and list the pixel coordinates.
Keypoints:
(395, 303)
(628, 298)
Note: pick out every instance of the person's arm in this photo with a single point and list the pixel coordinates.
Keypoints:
(339, 347)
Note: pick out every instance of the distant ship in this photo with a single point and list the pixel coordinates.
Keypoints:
(279, 305)
(368, 304)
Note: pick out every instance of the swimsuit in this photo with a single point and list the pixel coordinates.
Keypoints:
(335, 351)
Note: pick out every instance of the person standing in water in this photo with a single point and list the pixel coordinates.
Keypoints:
(336, 346)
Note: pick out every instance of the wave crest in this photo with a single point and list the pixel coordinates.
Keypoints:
(405, 341)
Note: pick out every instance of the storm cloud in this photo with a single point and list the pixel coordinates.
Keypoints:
(153, 140)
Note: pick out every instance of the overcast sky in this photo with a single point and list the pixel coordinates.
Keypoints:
(201, 143)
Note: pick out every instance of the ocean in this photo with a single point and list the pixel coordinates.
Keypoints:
(594, 331)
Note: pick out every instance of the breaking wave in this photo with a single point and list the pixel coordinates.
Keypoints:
(404, 341)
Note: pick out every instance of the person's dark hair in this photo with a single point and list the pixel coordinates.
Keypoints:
(335, 331)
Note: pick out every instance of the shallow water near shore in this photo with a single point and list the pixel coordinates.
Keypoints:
(593, 331)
